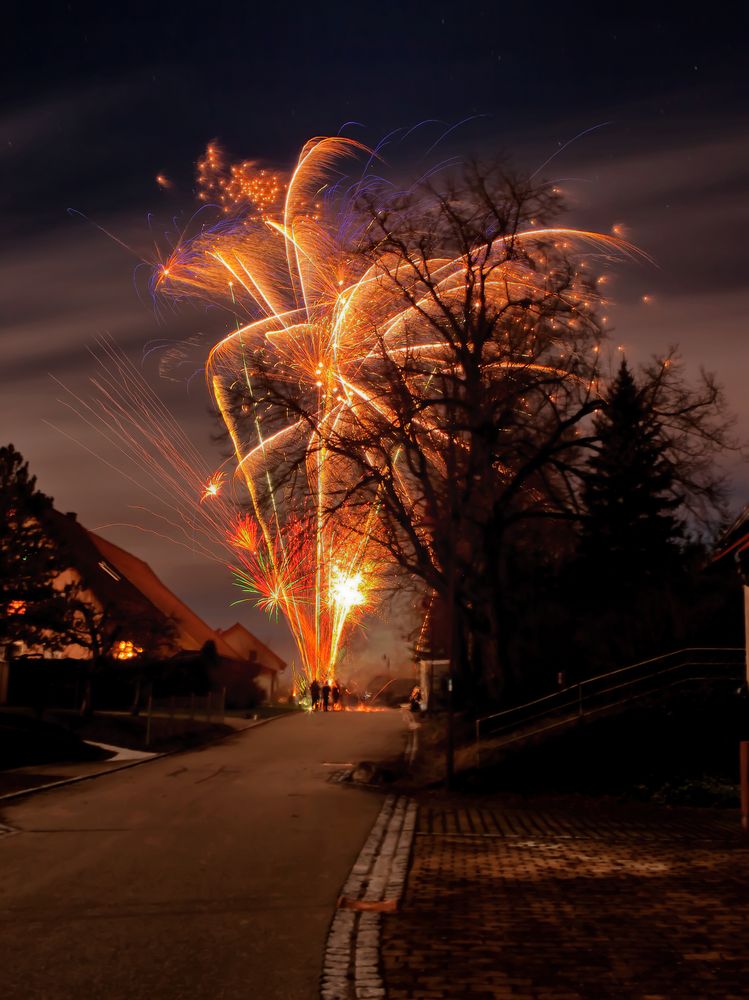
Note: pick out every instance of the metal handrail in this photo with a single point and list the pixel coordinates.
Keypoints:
(576, 695)
(592, 711)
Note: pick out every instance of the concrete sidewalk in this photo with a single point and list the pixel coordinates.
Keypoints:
(571, 900)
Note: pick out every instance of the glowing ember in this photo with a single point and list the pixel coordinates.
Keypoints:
(246, 186)
(213, 487)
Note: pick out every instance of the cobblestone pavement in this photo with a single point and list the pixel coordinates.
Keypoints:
(572, 902)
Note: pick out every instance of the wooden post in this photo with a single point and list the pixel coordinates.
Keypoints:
(148, 720)
(4, 675)
(450, 771)
(746, 628)
(744, 769)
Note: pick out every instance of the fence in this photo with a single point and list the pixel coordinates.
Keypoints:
(606, 691)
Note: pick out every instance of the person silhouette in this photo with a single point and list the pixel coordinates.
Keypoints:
(314, 693)
(325, 695)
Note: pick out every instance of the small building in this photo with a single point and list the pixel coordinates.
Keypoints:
(253, 650)
(433, 654)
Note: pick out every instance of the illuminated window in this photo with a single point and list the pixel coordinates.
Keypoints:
(126, 650)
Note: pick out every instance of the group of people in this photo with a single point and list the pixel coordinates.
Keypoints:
(329, 696)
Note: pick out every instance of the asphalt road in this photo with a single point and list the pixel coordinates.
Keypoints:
(208, 874)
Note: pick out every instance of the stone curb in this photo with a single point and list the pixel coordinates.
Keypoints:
(351, 967)
(12, 796)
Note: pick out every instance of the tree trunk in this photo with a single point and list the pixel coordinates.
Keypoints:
(481, 676)
(490, 667)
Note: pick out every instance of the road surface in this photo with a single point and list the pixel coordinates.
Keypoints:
(208, 874)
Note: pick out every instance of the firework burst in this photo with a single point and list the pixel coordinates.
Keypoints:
(320, 320)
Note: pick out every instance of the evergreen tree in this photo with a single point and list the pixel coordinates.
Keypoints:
(31, 609)
(630, 531)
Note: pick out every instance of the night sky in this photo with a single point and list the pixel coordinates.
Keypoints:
(99, 99)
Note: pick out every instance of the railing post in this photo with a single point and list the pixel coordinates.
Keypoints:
(744, 768)
(478, 742)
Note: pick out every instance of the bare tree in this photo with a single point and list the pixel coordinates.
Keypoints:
(114, 633)
(468, 402)
(696, 428)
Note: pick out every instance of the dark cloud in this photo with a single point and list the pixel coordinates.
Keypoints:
(685, 205)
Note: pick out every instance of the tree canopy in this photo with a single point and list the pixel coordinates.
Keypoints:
(629, 487)
(30, 561)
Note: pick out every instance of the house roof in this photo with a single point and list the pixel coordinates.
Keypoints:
(108, 587)
(193, 631)
(117, 577)
(245, 643)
